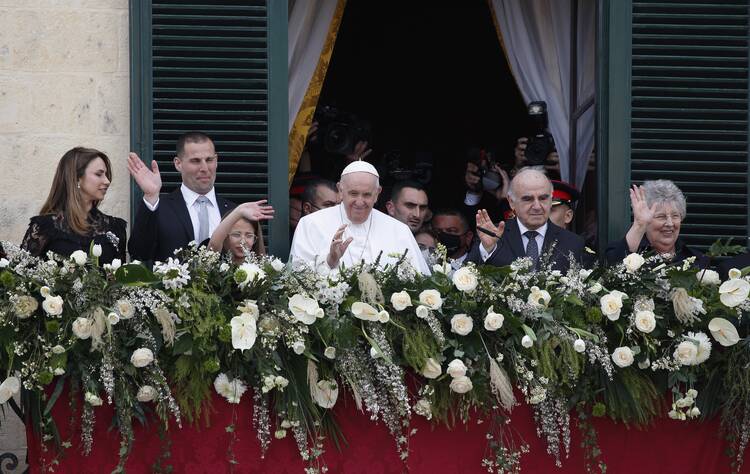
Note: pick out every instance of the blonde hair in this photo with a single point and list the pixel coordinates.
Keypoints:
(65, 196)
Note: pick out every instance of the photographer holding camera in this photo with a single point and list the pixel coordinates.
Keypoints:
(487, 184)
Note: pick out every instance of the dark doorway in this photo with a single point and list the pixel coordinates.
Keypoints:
(433, 79)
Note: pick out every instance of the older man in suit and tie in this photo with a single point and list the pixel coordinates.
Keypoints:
(191, 212)
(531, 234)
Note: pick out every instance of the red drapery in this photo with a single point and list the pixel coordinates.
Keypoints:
(666, 447)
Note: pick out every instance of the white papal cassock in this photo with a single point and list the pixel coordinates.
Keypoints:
(380, 232)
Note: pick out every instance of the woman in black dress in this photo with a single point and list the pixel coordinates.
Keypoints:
(70, 219)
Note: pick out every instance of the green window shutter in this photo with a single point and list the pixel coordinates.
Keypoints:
(689, 116)
(207, 66)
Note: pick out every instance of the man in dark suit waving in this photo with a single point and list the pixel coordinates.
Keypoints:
(191, 212)
(531, 234)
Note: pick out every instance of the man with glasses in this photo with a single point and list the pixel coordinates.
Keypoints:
(319, 194)
(192, 212)
(452, 230)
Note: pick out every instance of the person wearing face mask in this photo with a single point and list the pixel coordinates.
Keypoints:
(353, 232)
(659, 208)
(452, 230)
(70, 218)
(531, 234)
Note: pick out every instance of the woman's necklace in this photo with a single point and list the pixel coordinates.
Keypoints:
(367, 236)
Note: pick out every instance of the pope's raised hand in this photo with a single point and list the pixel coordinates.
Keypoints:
(642, 213)
(256, 211)
(484, 221)
(149, 180)
(338, 247)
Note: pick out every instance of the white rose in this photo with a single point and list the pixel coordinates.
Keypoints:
(432, 369)
(686, 353)
(645, 321)
(45, 291)
(4, 262)
(611, 305)
(326, 393)
(303, 308)
(431, 299)
(82, 328)
(79, 256)
(96, 250)
(142, 357)
(422, 311)
(58, 349)
(92, 399)
(461, 324)
(146, 393)
(53, 305)
(526, 341)
(734, 292)
(461, 384)
(277, 264)
(579, 345)
(724, 332)
(456, 368)
(400, 300)
(734, 273)
(708, 277)
(595, 288)
(244, 331)
(539, 298)
(365, 311)
(125, 309)
(113, 319)
(493, 321)
(9, 387)
(330, 352)
(298, 347)
(465, 279)
(622, 357)
(25, 306)
(116, 263)
(633, 262)
(384, 317)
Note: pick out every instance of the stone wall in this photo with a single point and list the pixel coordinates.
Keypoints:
(64, 82)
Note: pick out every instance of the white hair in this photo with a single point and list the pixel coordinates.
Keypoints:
(529, 170)
(664, 191)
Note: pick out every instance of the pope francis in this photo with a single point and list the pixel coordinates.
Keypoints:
(353, 231)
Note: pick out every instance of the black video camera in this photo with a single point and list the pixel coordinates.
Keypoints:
(421, 172)
(485, 160)
(540, 143)
(339, 131)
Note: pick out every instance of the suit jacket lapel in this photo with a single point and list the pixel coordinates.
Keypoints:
(223, 206)
(514, 239)
(550, 236)
(181, 211)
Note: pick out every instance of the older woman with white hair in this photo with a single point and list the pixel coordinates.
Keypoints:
(659, 207)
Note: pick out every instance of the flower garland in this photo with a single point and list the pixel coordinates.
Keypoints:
(476, 338)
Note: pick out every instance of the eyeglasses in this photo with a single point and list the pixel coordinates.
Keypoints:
(425, 247)
(662, 218)
(248, 237)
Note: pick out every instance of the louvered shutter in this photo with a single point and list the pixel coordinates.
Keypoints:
(206, 66)
(689, 117)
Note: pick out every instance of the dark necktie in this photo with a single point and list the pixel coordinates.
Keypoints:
(532, 249)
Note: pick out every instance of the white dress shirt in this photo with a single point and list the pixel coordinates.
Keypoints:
(191, 197)
(524, 240)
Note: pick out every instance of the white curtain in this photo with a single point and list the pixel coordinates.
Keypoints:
(309, 21)
(536, 36)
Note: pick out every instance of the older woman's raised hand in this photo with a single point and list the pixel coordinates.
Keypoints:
(642, 213)
(149, 180)
(256, 211)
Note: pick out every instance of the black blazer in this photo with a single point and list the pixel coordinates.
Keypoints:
(618, 250)
(510, 247)
(155, 235)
